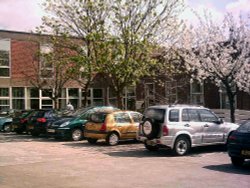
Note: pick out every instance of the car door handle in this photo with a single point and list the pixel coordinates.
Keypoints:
(206, 125)
(187, 125)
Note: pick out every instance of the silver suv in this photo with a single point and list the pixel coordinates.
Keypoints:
(181, 127)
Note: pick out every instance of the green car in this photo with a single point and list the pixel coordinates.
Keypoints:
(72, 127)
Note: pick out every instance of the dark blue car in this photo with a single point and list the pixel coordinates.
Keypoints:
(239, 144)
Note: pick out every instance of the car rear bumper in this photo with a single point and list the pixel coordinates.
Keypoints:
(165, 141)
(237, 150)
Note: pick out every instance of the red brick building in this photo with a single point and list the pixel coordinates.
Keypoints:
(17, 56)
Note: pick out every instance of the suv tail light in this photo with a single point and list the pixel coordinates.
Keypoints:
(165, 130)
(103, 128)
(41, 120)
(231, 137)
(23, 120)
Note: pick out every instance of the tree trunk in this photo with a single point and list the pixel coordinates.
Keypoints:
(232, 107)
(85, 97)
(119, 100)
(56, 103)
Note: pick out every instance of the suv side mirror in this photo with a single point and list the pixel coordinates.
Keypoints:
(221, 120)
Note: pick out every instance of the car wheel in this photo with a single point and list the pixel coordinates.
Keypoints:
(181, 146)
(150, 147)
(150, 128)
(91, 140)
(76, 135)
(6, 127)
(112, 139)
(237, 161)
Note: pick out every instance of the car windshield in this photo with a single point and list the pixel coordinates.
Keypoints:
(245, 127)
(38, 114)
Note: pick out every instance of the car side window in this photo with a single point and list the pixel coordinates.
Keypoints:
(207, 116)
(136, 117)
(193, 115)
(122, 118)
(184, 116)
(174, 115)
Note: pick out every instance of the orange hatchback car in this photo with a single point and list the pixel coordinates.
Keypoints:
(112, 127)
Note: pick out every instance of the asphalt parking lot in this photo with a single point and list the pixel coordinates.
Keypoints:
(44, 162)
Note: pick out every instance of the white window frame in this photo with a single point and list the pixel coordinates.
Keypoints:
(7, 42)
(45, 48)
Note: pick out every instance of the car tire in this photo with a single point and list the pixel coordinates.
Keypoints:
(150, 128)
(7, 127)
(150, 147)
(76, 135)
(112, 139)
(91, 140)
(181, 146)
(237, 161)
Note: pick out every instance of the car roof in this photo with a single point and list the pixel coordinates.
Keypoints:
(177, 106)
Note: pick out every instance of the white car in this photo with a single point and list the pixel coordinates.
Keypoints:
(180, 127)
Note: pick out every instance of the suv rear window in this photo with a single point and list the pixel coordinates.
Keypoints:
(245, 127)
(156, 114)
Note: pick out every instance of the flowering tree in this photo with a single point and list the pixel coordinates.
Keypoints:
(219, 52)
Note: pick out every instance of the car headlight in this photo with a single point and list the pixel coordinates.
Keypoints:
(64, 124)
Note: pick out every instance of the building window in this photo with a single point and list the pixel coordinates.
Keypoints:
(98, 97)
(129, 98)
(89, 103)
(33, 98)
(197, 93)
(62, 99)
(18, 98)
(224, 101)
(4, 98)
(46, 100)
(46, 67)
(4, 58)
(73, 94)
(171, 92)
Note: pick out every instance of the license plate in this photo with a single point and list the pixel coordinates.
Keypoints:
(14, 126)
(31, 127)
(245, 152)
(51, 130)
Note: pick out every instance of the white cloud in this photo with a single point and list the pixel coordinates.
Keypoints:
(20, 15)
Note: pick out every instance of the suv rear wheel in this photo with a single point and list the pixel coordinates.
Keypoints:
(181, 146)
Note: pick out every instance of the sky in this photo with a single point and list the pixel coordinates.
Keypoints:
(25, 15)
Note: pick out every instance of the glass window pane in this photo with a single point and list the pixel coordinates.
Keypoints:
(122, 118)
(185, 115)
(73, 92)
(17, 92)
(34, 103)
(97, 93)
(4, 102)
(47, 102)
(4, 62)
(34, 92)
(4, 92)
(4, 72)
(18, 103)
(193, 115)
(207, 116)
(47, 93)
(174, 115)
